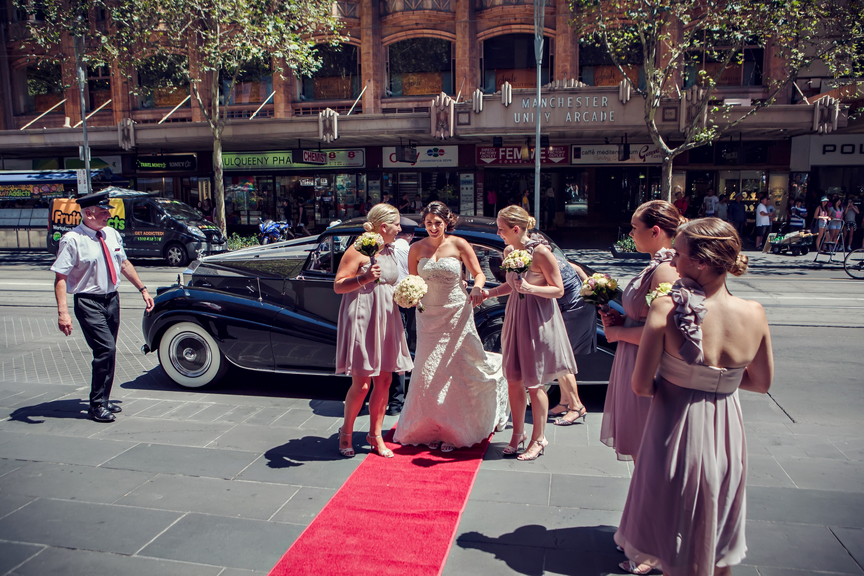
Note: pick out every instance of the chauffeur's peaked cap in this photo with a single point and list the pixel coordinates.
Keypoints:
(100, 199)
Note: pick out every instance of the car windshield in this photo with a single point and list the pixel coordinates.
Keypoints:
(178, 210)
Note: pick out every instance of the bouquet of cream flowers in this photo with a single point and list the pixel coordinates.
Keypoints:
(518, 261)
(662, 289)
(368, 244)
(599, 290)
(409, 291)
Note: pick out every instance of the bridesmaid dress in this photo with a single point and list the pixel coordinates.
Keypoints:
(624, 413)
(686, 506)
(370, 339)
(534, 341)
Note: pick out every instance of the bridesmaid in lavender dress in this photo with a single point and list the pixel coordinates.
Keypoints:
(686, 506)
(370, 340)
(534, 341)
(653, 228)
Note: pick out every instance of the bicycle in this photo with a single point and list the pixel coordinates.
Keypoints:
(853, 264)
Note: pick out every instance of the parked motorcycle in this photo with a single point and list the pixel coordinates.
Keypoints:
(268, 232)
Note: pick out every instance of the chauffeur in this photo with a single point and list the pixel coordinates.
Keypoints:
(88, 260)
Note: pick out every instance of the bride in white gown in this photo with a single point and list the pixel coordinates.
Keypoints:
(457, 394)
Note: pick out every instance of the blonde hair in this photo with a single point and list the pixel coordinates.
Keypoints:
(517, 216)
(380, 214)
(715, 243)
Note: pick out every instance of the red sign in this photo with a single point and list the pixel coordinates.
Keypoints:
(513, 155)
(314, 157)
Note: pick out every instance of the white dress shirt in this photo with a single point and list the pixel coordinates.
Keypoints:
(400, 251)
(81, 260)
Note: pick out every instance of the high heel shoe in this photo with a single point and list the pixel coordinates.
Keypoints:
(527, 454)
(385, 452)
(552, 412)
(580, 412)
(512, 450)
(447, 447)
(346, 452)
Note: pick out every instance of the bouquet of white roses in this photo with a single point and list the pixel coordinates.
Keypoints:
(368, 244)
(662, 289)
(409, 291)
(599, 290)
(518, 261)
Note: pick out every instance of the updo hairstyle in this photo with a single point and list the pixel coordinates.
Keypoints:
(517, 216)
(661, 214)
(441, 210)
(714, 242)
(380, 214)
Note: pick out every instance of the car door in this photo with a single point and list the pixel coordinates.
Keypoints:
(146, 236)
(304, 332)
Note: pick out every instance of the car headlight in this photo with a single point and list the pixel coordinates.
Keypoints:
(197, 232)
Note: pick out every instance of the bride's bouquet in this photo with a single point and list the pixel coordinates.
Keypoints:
(409, 291)
(368, 244)
(599, 290)
(662, 289)
(518, 261)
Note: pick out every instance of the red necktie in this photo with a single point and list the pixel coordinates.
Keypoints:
(111, 271)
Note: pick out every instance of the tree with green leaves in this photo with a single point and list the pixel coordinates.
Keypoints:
(209, 44)
(691, 48)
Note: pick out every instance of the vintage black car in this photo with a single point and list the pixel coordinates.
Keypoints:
(272, 308)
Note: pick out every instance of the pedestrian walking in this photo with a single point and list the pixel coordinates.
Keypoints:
(763, 221)
(87, 263)
(738, 214)
(849, 217)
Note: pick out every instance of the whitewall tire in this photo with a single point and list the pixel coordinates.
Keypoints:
(190, 356)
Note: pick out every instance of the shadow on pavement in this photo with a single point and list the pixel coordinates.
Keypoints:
(75, 409)
(307, 449)
(533, 550)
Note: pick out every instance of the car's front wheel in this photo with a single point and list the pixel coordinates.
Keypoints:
(175, 255)
(190, 356)
(490, 336)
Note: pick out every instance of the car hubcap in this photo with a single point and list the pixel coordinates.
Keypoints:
(190, 354)
(174, 255)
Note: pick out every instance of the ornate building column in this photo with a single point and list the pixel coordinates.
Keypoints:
(566, 44)
(286, 90)
(69, 67)
(467, 47)
(121, 99)
(371, 56)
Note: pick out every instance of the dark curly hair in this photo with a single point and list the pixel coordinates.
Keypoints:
(441, 210)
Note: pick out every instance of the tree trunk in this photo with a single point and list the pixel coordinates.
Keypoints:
(218, 184)
(666, 180)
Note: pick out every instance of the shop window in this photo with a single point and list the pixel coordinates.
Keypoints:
(510, 58)
(98, 87)
(39, 87)
(243, 200)
(420, 66)
(338, 78)
(745, 68)
(253, 84)
(596, 67)
(164, 186)
(161, 82)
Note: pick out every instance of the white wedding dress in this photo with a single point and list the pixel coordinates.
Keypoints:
(458, 393)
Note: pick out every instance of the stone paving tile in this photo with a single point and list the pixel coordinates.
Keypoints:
(515, 487)
(320, 473)
(162, 431)
(73, 424)
(236, 572)
(766, 471)
(11, 502)
(570, 436)
(211, 413)
(85, 525)
(825, 474)
(853, 540)
(184, 460)
(588, 492)
(254, 500)
(265, 438)
(62, 449)
(294, 418)
(328, 423)
(230, 542)
(471, 557)
(304, 506)
(852, 448)
(797, 546)
(265, 416)
(802, 506)
(238, 414)
(160, 409)
(254, 401)
(72, 482)
(187, 410)
(64, 562)
(584, 461)
(9, 464)
(135, 406)
(13, 553)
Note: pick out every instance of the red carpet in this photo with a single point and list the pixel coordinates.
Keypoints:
(392, 516)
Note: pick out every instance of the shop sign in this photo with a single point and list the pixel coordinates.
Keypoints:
(466, 194)
(158, 163)
(27, 191)
(314, 157)
(510, 155)
(420, 83)
(832, 150)
(608, 154)
(427, 157)
(517, 77)
(283, 160)
(115, 163)
(332, 88)
(307, 181)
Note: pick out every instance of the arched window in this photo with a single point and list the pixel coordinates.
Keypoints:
(161, 82)
(39, 86)
(510, 58)
(253, 85)
(420, 66)
(596, 67)
(338, 78)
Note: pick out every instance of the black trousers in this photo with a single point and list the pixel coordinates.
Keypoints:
(99, 317)
(397, 386)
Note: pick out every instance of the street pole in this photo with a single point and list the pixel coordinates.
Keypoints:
(82, 78)
(539, 19)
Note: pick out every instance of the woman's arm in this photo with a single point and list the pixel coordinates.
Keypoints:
(469, 259)
(347, 277)
(414, 257)
(760, 372)
(549, 267)
(633, 334)
(651, 347)
(579, 271)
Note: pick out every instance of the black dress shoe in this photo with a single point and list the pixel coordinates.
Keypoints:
(394, 410)
(113, 408)
(100, 414)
